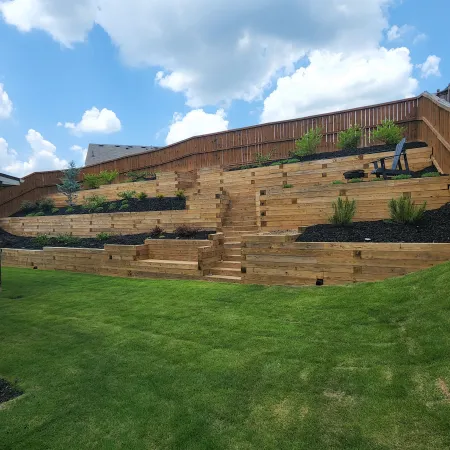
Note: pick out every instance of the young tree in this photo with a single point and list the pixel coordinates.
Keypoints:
(69, 183)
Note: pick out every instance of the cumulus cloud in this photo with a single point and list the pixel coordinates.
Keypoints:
(43, 156)
(333, 81)
(81, 153)
(6, 105)
(430, 67)
(95, 121)
(194, 123)
(213, 52)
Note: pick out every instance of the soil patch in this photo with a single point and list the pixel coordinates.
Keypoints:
(435, 227)
(8, 391)
(8, 240)
(135, 205)
(337, 154)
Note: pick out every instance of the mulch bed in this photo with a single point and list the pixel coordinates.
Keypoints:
(8, 240)
(7, 391)
(337, 154)
(435, 227)
(135, 205)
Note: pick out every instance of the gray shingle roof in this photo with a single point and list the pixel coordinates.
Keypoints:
(98, 153)
(8, 180)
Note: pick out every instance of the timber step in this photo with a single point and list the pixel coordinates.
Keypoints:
(227, 271)
(231, 256)
(228, 264)
(170, 264)
(223, 278)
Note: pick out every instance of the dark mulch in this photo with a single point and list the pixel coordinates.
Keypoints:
(7, 391)
(435, 227)
(135, 205)
(8, 240)
(337, 154)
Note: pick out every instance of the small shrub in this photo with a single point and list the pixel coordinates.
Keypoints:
(402, 177)
(46, 204)
(186, 231)
(103, 236)
(93, 202)
(31, 214)
(67, 239)
(337, 182)
(349, 139)
(430, 175)
(42, 240)
(309, 143)
(108, 176)
(344, 211)
(112, 206)
(127, 195)
(356, 180)
(159, 196)
(124, 206)
(142, 196)
(141, 176)
(404, 210)
(377, 179)
(99, 209)
(92, 180)
(39, 213)
(180, 194)
(156, 231)
(262, 159)
(277, 163)
(70, 210)
(55, 210)
(27, 205)
(287, 186)
(389, 133)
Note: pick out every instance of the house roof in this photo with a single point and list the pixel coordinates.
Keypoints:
(98, 153)
(8, 180)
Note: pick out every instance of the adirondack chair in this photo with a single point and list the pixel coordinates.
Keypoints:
(396, 168)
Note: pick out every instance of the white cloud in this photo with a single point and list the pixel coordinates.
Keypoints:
(96, 121)
(213, 52)
(395, 32)
(82, 152)
(43, 156)
(6, 105)
(333, 81)
(420, 38)
(194, 123)
(430, 67)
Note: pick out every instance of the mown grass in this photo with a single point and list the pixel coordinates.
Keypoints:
(110, 363)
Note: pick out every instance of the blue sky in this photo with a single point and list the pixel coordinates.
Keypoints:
(160, 72)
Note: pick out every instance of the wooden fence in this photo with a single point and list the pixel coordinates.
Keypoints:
(423, 118)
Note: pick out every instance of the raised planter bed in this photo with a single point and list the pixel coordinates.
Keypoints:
(435, 227)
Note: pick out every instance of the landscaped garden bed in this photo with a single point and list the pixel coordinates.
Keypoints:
(8, 240)
(434, 227)
(8, 391)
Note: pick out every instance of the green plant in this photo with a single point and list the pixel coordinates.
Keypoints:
(70, 210)
(337, 182)
(46, 204)
(287, 186)
(127, 195)
(93, 202)
(350, 138)
(261, 159)
(39, 213)
(430, 175)
(55, 210)
(112, 206)
(356, 180)
(402, 177)
(141, 175)
(99, 209)
(67, 239)
(108, 176)
(142, 196)
(389, 133)
(92, 180)
(32, 214)
(186, 231)
(404, 210)
(276, 163)
(344, 211)
(156, 231)
(69, 183)
(103, 236)
(42, 240)
(377, 179)
(159, 196)
(125, 205)
(309, 143)
(180, 194)
(27, 205)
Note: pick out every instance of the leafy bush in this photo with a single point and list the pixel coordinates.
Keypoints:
(55, 210)
(287, 186)
(103, 236)
(141, 176)
(108, 176)
(356, 180)
(69, 183)
(389, 133)
(92, 180)
(186, 231)
(309, 143)
(112, 206)
(344, 211)
(142, 196)
(32, 214)
(262, 159)
(99, 209)
(349, 139)
(39, 213)
(127, 195)
(402, 177)
(430, 175)
(67, 239)
(180, 194)
(46, 204)
(94, 202)
(70, 210)
(404, 210)
(27, 205)
(156, 231)
(42, 240)
(125, 205)
(337, 182)
(159, 196)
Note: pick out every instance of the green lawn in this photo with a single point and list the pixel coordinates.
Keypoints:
(110, 363)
